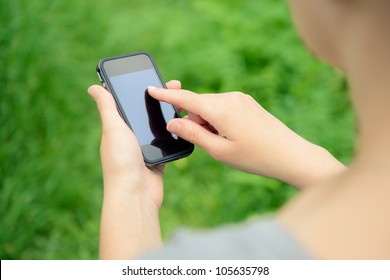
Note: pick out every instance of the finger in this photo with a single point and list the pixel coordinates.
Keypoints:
(159, 169)
(197, 134)
(196, 118)
(106, 106)
(184, 99)
(180, 109)
(174, 84)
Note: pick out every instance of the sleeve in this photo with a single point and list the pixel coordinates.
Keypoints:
(261, 239)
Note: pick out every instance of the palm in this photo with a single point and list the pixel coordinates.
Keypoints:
(123, 162)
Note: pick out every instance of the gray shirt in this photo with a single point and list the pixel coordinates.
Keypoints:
(257, 239)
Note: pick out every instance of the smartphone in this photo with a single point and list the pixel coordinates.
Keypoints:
(127, 78)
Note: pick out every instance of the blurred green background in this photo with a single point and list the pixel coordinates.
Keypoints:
(50, 174)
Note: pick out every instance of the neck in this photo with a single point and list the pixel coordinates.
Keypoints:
(371, 96)
(368, 72)
(373, 149)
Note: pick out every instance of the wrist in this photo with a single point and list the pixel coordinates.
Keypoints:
(315, 165)
(129, 224)
(121, 184)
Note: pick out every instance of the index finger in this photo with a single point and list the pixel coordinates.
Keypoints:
(184, 99)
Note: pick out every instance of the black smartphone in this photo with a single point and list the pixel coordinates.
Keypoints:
(127, 78)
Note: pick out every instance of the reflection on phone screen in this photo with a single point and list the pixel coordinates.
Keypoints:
(147, 116)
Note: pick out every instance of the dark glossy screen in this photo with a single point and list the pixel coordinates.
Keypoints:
(147, 116)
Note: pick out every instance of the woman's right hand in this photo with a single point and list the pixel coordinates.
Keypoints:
(234, 129)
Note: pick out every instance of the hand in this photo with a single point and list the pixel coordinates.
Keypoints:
(235, 129)
(133, 193)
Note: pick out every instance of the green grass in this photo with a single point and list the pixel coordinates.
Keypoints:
(50, 175)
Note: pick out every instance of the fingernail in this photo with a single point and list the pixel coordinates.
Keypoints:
(151, 87)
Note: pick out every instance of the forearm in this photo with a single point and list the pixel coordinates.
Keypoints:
(129, 225)
(312, 166)
(296, 161)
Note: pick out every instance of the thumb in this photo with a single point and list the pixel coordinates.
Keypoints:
(197, 134)
(107, 107)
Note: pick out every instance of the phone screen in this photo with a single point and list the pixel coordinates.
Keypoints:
(128, 79)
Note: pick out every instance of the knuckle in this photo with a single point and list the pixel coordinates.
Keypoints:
(240, 96)
(237, 97)
(183, 93)
(182, 98)
(237, 94)
(192, 134)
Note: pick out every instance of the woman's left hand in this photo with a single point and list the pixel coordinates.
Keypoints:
(133, 193)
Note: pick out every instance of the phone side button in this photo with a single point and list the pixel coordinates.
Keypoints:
(100, 78)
